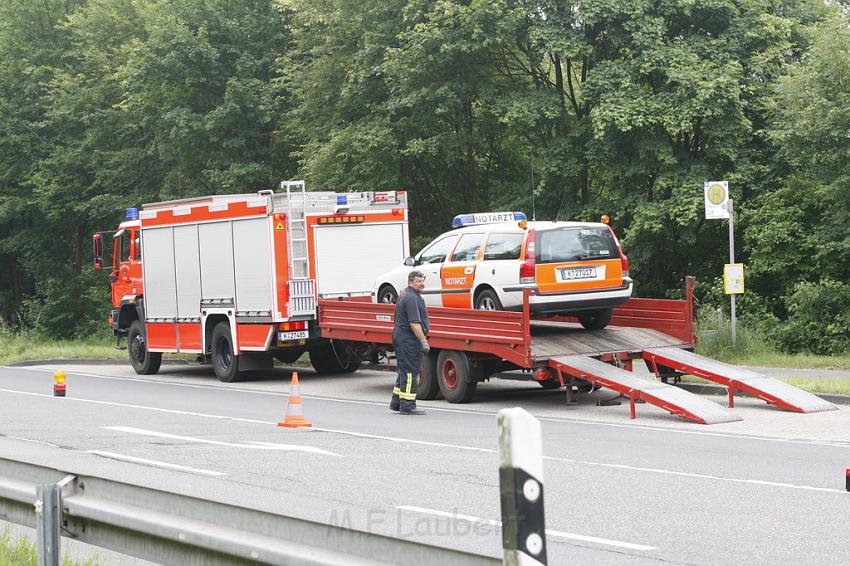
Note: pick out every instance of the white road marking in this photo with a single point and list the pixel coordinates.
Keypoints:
(462, 411)
(34, 441)
(693, 475)
(157, 463)
(254, 445)
(549, 532)
(435, 444)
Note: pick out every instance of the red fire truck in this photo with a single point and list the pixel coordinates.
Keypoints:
(236, 277)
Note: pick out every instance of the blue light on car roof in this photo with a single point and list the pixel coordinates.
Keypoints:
(486, 218)
(131, 214)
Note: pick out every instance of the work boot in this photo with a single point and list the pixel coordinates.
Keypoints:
(412, 412)
(394, 405)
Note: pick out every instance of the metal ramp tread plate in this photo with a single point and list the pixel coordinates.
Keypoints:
(670, 398)
(773, 391)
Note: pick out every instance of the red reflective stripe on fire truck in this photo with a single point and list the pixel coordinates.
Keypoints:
(189, 336)
(254, 336)
(162, 336)
(203, 213)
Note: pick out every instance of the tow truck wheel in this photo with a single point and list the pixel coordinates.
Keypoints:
(225, 363)
(453, 371)
(143, 360)
(488, 300)
(387, 294)
(595, 320)
(429, 386)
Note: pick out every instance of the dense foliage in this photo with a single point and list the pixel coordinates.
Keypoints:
(563, 109)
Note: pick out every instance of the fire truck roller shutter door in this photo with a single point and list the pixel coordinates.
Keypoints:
(349, 258)
(252, 262)
(160, 286)
(188, 272)
(216, 243)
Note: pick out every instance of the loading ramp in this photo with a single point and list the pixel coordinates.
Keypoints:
(773, 391)
(672, 399)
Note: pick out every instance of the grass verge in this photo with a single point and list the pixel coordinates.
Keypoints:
(752, 349)
(810, 384)
(22, 551)
(18, 347)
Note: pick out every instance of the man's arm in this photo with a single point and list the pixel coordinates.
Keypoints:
(416, 327)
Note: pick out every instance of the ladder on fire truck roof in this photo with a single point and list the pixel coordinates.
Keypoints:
(301, 288)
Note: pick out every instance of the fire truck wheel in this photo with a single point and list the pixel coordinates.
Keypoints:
(333, 357)
(387, 294)
(289, 355)
(428, 387)
(225, 364)
(143, 360)
(595, 320)
(550, 384)
(453, 373)
(488, 300)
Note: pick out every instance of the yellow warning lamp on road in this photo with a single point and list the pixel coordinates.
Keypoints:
(59, 378)
(605, 219)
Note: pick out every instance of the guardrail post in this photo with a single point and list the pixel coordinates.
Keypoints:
(48, 510)
(521, 487)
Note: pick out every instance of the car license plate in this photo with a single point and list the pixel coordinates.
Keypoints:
(293, 335)
(574, 273)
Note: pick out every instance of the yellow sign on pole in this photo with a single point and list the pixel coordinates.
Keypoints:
(733, 278)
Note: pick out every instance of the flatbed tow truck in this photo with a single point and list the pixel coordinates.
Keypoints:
(240, 279)
(470, 346)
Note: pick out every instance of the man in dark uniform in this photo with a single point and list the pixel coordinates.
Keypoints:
(409, 343)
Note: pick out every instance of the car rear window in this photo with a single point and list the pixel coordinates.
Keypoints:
(575, 244)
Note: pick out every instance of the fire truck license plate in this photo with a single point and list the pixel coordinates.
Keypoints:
(293, 335)
(573, 273)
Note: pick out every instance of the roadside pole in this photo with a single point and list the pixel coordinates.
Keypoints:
(718, 205)
(733, 318)
(521, 487)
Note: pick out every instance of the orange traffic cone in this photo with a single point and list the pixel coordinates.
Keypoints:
(294, 408)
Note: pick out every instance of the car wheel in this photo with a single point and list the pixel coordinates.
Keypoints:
(488, 300)
(595, 320)
(387, 294)
(143, 360)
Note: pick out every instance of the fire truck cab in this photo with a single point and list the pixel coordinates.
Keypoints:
(236, 278)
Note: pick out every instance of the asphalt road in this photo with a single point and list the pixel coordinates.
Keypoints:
(768, 489)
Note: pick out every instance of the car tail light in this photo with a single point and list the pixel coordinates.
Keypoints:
(526, 270)
(624, 261)
(295, 325)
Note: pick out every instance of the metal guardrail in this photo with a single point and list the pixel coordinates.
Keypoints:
(176, 529)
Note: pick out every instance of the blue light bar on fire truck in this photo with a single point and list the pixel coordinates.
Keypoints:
(131, 214)
(486, 218)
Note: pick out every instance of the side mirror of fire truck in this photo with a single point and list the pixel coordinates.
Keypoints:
(97, 251)
(409, 261)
